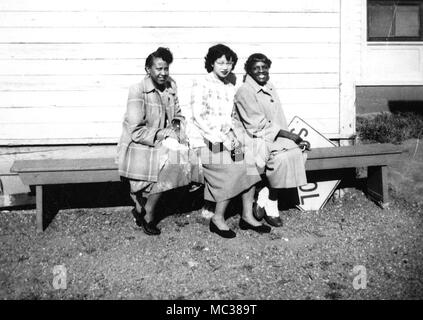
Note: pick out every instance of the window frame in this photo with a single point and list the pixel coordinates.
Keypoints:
(393, 38)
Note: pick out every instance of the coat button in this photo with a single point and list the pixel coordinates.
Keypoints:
(271, 100)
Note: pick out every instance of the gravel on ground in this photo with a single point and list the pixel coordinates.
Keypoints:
(351, 249)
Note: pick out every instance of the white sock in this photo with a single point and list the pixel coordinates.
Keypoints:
(206, 213)
(271, 208)
(263, 197)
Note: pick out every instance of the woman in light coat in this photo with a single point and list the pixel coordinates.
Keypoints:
(277, 151)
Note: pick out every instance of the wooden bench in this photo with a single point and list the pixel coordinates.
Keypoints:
(45, 173)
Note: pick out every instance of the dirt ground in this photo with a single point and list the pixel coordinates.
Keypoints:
(406, 175)
(316, 255)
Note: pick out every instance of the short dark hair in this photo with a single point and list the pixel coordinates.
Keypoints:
(215, 52)
(161, 52)
(256, 57)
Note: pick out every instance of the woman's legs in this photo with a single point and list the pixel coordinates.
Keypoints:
(219, 215)
(247, 210)
(247, 207)
(272, 215)
(145, 211)
(150, 206)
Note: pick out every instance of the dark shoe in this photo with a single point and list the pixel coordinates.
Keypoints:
(244, 225)
(223, 233)
(274, 221)
(138, 217)
(150, 228)
(258, 212)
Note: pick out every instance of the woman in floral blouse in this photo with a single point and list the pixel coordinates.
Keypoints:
(212, 102)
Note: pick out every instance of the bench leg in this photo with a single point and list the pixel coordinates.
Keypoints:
(46, 205)
(377, 185)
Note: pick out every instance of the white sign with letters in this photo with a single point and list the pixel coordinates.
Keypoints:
(314, 195)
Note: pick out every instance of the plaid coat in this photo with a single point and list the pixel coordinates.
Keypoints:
(147, 112)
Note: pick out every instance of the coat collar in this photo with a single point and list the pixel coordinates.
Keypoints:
(268, 88)
(149, 85)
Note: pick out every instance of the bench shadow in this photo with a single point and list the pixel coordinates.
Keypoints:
(173, 202)
(93, 195)
(113, 194)
(180, 201)
(81, 195)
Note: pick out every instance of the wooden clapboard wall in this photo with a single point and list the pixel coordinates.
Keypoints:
(65, 66)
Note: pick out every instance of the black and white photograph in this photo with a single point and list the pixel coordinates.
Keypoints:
(226, 151)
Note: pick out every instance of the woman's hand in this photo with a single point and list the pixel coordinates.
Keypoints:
(235, 143)
(304, 145)
(234, 140)
(290, 135)
(166, 132)
(296, 138)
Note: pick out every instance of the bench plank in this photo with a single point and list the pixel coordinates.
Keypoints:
(357, 151)
(64, 165)
(318, 158)
(64, 177)
(349, 162)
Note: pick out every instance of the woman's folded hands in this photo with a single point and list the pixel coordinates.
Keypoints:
(304, 145)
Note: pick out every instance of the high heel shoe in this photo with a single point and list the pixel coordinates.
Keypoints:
(244, 225)
(223, 233)
(150, 228)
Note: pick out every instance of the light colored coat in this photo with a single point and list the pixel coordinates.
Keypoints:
(259, 112)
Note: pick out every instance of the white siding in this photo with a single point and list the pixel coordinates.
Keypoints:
(65, 66)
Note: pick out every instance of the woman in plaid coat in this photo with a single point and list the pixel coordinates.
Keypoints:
(152, 155)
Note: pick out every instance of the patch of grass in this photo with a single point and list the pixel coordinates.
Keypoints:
(390, 127)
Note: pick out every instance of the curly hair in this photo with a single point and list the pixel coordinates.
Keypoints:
(215, 52)
(161, 52)
(256, 57)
